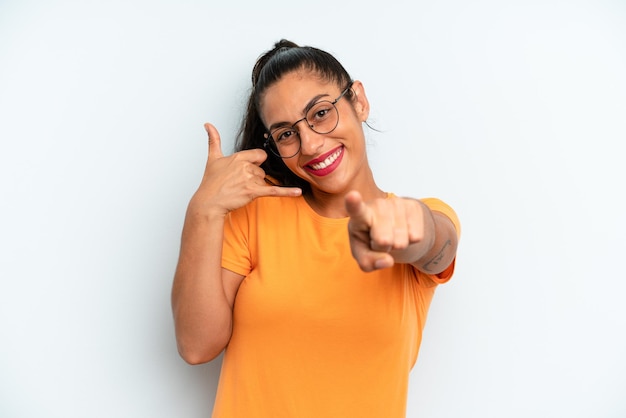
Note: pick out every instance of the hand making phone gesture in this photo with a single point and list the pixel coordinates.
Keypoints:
(230, 182)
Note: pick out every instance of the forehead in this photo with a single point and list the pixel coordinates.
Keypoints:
(287, 98)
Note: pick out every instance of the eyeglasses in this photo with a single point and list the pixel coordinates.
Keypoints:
(322, 117)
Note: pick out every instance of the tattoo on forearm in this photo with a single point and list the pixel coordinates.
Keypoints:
(437, 258)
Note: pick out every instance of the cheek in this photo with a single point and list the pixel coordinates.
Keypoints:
(292, 164)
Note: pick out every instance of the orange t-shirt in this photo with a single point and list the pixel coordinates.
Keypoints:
(313, 335)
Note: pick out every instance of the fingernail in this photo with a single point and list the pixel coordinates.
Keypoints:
(381, 263)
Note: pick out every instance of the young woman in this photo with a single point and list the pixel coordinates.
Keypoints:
(315, 281)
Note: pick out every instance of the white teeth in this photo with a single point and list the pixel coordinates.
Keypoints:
(328, 161)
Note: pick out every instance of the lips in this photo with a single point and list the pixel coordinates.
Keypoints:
(326, 163)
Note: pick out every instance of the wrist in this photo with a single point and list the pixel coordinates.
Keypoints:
(204, 212)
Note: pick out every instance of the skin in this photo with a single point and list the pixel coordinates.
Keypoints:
(382, 231)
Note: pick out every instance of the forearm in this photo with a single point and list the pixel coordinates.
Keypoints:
(201, 308)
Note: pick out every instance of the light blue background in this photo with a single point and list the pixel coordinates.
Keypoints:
(511, 111)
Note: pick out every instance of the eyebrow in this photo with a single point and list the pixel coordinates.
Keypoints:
(308, 107)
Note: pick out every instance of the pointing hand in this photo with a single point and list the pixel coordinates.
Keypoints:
(381, 230)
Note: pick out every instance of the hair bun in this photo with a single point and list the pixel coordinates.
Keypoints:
(284, 43)
(265, 57)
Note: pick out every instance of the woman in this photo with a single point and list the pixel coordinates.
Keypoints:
(315, 281)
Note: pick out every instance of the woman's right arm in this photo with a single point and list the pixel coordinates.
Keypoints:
(203, 293)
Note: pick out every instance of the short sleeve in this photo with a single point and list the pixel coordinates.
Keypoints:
(438, 205)
(236, 249)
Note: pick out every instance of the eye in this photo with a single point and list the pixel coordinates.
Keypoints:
(284, 135)
(319, 112)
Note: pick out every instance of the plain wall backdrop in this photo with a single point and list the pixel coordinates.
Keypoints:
(514, 112)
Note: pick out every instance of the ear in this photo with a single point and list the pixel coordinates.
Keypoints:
(360, 102)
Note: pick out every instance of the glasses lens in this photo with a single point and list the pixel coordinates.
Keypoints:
(284, 142)
(323, 117)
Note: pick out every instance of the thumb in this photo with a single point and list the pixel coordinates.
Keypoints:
(357, 209)
(215, 143)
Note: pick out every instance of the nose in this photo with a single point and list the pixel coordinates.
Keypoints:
(310, 141)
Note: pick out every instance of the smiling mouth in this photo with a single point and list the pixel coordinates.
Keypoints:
(328, 161)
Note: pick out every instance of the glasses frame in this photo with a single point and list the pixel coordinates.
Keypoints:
(270, 144)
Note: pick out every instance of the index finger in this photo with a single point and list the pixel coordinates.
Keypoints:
(357, 209)
(215, 142)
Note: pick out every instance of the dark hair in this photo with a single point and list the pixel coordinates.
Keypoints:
(270, 67)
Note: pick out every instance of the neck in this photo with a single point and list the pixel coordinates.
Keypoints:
(332, 205)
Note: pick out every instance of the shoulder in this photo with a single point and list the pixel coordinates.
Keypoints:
(262, 206)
